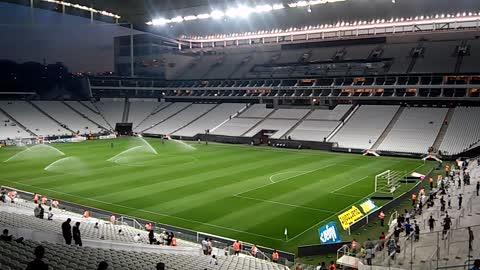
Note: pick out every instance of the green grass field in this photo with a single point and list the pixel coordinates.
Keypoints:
(237, 191)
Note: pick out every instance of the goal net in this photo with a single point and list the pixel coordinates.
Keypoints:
(388, 181)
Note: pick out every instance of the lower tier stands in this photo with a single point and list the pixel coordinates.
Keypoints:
(463, 130)
(277, 126)
(87, 110)
(141, 109)
(415, 131)
(256, 110)
(32, 118)
(162, 114)
(236, 126)
(336, 114)
(112, 110)
(212, 119)
(9, 129)
(367, 124)
(313, 130)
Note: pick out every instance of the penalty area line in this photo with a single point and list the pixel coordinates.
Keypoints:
(146, 211)
(285, 204)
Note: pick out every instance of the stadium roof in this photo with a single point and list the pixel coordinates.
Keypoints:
(139, 12)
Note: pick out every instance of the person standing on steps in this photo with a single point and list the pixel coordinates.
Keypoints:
(67, 231)
(76, 234)
(470, 239)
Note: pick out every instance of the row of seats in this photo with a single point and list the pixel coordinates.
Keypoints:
(463, 130)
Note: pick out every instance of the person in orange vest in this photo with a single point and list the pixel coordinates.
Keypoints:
(174, 241)
(430, 180)
(12, 194)
(35, 198)
(332, 266)
(253, 251)
(236, 247)
(275, 256)
(86, 214)
(414, 199)
(44, 200)
(148, 226)
(381, 216)
(447, 170)
(55, 203)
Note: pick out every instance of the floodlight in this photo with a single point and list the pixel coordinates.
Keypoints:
(263, 8)
(278, 6)
(203, 16)
(217, 14)
(177, 19)
(190, 18)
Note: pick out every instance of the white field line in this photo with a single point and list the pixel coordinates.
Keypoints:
(349, 184)
(347, 195)
(146, 211)
(323, 220)
(320, 222)
(286, 172)
(285, 204)
(288, 178)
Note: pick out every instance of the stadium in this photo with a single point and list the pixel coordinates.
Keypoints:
(341, 134)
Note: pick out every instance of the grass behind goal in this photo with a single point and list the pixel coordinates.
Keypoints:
(241, 192)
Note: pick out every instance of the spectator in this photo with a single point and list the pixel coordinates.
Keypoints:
(470, 239)
(478, 187)
(369, 256)
(50, 213)
(160, 266)
(298, 266)
(76, 234)
(332, 266)
(382, 240)
(38, 264)
(96, 226)
(205, 246)
(151, 237)
(5, 236)
(253, 251)
(417, 231)
(381, 216)
(236, 247)
(407, 216)
(321, 266)
(67, 232)
(396, 234)
(209, 246)
(103, 265)
(213, 260)
(137, 238)
(120, 232)
(275, 256)
(354, 245)
(431, 223)
(476, 265)
(460, 199)
(447, 222)
(408, 228)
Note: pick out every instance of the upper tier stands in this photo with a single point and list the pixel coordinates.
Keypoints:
(210, 120)
(463, 130)
(141, 109)
(470, 62)
(415, 131)
(365, 126)
(63, 114)
(236, 127)
(9, 129)
(313, 130)
(181, 119)
(87, 110)
(200, 66)
(112, 110)
(438, 57)
(32, 118)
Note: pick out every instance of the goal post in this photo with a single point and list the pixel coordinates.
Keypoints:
(388, 181)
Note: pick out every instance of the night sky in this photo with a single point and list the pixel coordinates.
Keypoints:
(80, 45)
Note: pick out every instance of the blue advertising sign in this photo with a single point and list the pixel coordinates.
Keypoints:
(329, 234)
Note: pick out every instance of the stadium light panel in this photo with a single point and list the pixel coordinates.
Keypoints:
(190, 18)
(217, 14)
(203, 16)
(278, 6)
(177, 19)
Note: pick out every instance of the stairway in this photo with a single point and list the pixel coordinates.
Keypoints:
(99, 112)
(186, 107)
(343, 120)
(49, 116)
(387, 129)
(196, 118)
(443, 130)
(18, 123)
(126, 111)
(285, 136)
(84, 116)
(256, 125)
(155, 111)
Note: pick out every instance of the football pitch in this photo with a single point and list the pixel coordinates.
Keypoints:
(241, 192)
